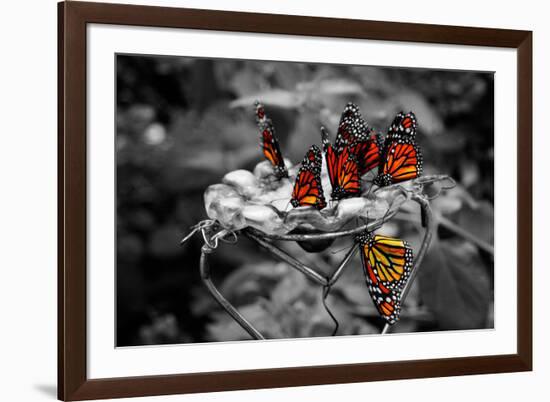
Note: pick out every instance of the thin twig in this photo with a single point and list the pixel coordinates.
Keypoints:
(338, 271)
(425, 205)
(282, 255)
(429, 222)
(223, 302)
(453, 227)
(326, 290)
(372, 226)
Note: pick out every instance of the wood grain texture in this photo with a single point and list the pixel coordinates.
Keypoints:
(525, 200)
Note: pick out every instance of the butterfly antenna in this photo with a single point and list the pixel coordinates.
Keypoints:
(326, 290)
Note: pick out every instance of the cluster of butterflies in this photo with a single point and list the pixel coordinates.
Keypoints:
(358, 149)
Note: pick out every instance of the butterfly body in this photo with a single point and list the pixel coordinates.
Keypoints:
(387, 263)
(308, 190)
(269, 143)
(401, 156)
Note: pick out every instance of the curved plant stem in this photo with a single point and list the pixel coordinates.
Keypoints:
(232, 311)
(453, 227)
(312, 274)
(326, 290)
(282, 255)
(338, 271)
(428, 222)
(329, 235)
(265, 241)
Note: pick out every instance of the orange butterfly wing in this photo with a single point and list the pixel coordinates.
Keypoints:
(343, 170)
(351, 125)
(403, 161)
(348, 183)
(269, 142)
(308, 190)
(387, 263)
(403, 124)
(368, 152)
(402, 158)
(331, 157)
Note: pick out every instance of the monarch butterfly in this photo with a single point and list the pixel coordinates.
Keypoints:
(387, 264)
(403, 124)
(343, 170)
(364, 143)
(350, 128)
(308, 190)
(269, 143)
(402, 158)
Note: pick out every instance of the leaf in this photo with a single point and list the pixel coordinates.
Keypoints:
(331, 87)
(225, 328)
(277, 97)
(447, 203)
(449, 142)
(478, 220)
(469, 172)
(306, 132)
(252, 280)
(455, 286)
(356, 293)
(289, 288)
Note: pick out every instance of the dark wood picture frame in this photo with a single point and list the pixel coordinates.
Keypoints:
(73, 383)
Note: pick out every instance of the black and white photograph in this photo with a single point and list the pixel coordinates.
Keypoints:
(271, 200)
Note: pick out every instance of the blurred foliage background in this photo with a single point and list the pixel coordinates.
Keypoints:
(182, 123)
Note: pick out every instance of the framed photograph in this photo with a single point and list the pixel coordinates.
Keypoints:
(252, 200)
